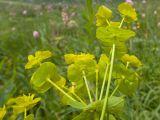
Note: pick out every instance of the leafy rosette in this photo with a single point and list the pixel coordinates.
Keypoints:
(103, 16)
(37, 59)
(128, 12)
(113, 35)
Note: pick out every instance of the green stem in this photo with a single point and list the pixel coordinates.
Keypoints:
(104, 81)
(121, 22)
(108, 85)
(127, 64)
(114, 90)
(76, 96)
(107, 22)
(97, 84)
(61, 90)
(89, 93)
(25, 114)
(79, 98)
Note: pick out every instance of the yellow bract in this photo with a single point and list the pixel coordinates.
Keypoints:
(2, 112)
(128, 12)
(116, 24)
(103, 15)
(22, 103)
(37, 59)
(131, 59)
(72, 58)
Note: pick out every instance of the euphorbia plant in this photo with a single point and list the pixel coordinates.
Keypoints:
(96, 88)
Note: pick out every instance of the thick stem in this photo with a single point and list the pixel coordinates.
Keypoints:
(108, 85)
(104, 81)
(89, 93)
(61, 90)
(97, 84)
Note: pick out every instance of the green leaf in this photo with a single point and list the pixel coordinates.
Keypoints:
(103, 61)
(103, 14)
(126, 79)
(29, 117)
(111, 117)
(127, 12)
(87, 115)
(61, 82)
(131, 59)
(74, 73)
(46, 71)
(113, 35)
(115, 105)
(75, 104)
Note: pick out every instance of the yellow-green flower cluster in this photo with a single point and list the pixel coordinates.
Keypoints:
(131, 59)
(23, 103)
(72, 58)
(37, 59)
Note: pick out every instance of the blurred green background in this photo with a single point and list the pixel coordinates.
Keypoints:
(68, 26)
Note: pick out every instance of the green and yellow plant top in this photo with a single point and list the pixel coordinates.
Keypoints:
(103, 16)
(127, 12)
(73, 58)
(37, 59)
(131, 59)
(96, 87)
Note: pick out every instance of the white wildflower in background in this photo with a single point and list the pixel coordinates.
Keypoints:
(24, 12)
(134, 28)
(155, 12)
(143, 15)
